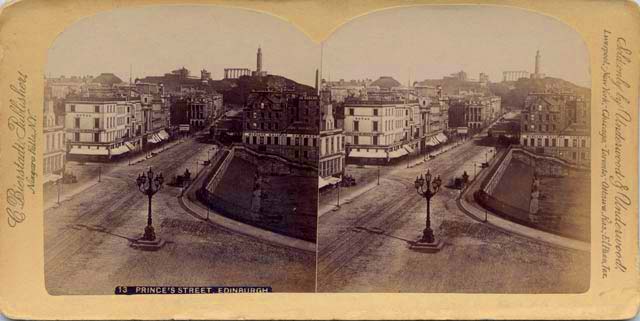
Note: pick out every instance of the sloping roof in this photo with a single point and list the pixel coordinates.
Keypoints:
(386, 82)
(107, 79)
(276, 99)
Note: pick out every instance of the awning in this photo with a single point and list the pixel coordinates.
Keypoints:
(322, 182)
(153, 139)
(119, 150)
(442, 137)
(408, 148)
(432, 142)
(51, 178)
(163, 134)
(89, 151)
(333, 180)
(130, 146)
(398, 153)
(375, 153)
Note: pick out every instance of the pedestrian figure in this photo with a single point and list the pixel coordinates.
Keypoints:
(465, 178)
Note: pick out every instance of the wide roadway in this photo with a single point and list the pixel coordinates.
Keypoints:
(364, 246)
(86, 239)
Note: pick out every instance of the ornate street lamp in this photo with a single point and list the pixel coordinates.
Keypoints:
(149, 184)
(427, 187)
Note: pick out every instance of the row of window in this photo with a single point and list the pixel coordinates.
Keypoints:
(574, 155)
(540, 127)
(387, 112)
(55, 141)
(263, 126)
(53, 163)
(296, 153)
(330, 167)
(375, 139)
(388, 125)
(275, 140)
(333, 144)
(262, 114)
(111, 122)
(96, 109)
(547, 117)
(109, 136)
(546, 142)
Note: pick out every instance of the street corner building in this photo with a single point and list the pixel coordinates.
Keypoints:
(269, 178)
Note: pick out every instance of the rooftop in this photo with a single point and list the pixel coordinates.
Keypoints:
(386, 82)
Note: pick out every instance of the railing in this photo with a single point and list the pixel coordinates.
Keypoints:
(289, 162)
(550, 158)
(496, 175)
(217, 174)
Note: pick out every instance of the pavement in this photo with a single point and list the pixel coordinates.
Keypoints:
(87, 175)
(86, 239)
(369, 179)
(364, 245)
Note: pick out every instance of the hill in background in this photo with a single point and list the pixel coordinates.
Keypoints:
(513, 93)
(453, 86)
(236, 91)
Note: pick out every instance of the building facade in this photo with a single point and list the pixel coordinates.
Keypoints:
(557, 124)
(196, 109)
(283, 123)
(55, 145)
(332, 144)
(379, 131)
(473, 112)
(97, 128)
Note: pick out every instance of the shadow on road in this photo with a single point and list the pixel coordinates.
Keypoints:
(378, 231)
(99, 229)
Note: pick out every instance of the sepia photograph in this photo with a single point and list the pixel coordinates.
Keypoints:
(456, 155)
(416, 149)
(311, 159)
(181, 148)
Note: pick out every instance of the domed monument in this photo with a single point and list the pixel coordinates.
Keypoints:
(386, 82)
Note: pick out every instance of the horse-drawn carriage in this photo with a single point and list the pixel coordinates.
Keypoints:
(181, 180)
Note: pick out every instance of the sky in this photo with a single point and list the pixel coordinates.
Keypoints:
(411, 43)
(156, 40)
(417, 43)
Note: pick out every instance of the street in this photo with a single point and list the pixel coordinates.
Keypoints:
(87, 238)
(364, 245)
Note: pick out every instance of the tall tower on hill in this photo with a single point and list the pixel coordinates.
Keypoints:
(259, 61)
(538, 57)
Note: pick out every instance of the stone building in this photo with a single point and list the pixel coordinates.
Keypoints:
(557, 124)
(380, 131)
(283, 123)
(473, 112)
(196, 109)
(332, 154)
(97, 128)
(54, 144)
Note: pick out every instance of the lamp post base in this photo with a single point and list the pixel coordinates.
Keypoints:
(426, 247)
(148, 241)
(149, 233)
(145, 245)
